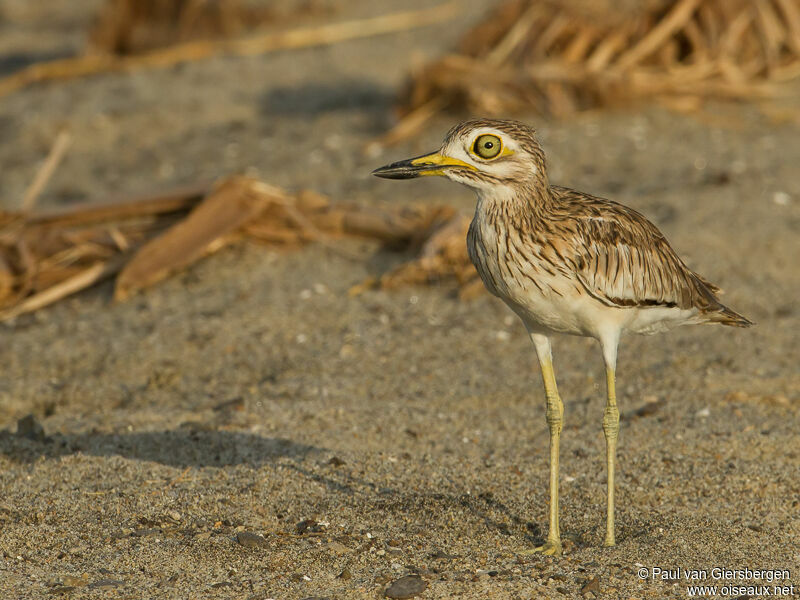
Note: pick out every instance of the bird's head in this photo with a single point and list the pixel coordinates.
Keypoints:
(483, 153)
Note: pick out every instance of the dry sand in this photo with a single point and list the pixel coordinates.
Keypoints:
(370, 437)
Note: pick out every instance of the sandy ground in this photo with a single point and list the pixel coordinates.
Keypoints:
(370, 437)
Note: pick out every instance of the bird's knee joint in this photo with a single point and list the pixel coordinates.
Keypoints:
(611, 422)
(555, 422)
(554, 417)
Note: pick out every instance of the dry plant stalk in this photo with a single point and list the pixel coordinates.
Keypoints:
(321, 35)
(133, 26)
(47, 255)
(560, 57)
(48, 168)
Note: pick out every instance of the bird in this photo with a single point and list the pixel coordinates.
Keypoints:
(565, 262)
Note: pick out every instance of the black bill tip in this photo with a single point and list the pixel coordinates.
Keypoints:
(399, 170)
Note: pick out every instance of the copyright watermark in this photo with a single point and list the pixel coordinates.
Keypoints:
(724, 582)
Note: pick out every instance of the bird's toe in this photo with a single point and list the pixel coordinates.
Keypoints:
(549, 548)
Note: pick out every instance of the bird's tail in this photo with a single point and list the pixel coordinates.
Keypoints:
(726, 316)
(717, 312)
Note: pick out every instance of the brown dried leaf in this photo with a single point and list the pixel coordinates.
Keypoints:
(233, 204)
(6, 278)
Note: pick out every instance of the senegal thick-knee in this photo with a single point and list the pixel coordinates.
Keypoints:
(565, 262)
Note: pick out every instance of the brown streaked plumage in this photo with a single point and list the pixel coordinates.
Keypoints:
(565, 262)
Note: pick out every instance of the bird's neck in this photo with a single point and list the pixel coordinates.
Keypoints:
(527, 200)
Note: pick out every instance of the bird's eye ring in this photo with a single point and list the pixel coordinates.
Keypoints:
(487, 146)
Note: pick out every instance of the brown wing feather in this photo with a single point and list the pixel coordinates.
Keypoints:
(624, 260)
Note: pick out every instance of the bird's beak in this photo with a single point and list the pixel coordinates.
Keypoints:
(428, 164)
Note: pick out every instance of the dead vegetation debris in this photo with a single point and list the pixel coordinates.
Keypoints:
(177, 52)
(556, 58)
(46, 255)
(134, 26)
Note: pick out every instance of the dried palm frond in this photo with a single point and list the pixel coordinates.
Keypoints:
(94, 63)
(48, 254)
(560, 57)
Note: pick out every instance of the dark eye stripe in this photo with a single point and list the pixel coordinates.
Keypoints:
(487, 146)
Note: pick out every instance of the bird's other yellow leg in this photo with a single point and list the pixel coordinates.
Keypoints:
(611, 430)
(555, 418)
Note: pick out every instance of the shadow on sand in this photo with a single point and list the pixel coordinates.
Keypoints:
(177, 448)
(188, 447)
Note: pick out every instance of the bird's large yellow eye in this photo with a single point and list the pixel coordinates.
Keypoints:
(487, 146)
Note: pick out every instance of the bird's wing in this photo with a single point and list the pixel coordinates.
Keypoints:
(623, 260)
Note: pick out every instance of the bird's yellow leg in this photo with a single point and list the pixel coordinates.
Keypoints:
(555, 419)
(555, 416)
(611, 431)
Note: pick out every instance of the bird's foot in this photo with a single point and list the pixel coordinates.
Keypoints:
(609, 542)
(549, 548)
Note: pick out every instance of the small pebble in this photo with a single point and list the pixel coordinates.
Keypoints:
(781, 198)
(593, 586)
(250, 540)
(338, 548)
(309, 526)
(406, 587)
